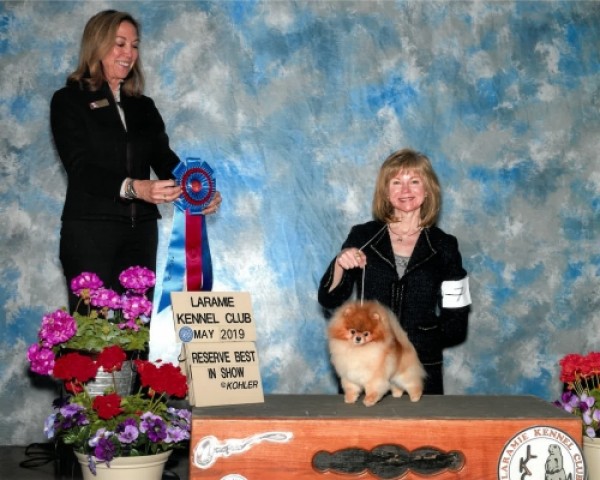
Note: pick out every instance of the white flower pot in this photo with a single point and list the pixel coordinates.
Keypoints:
(591, 453)
(149, 467)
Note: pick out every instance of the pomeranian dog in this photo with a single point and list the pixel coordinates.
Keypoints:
(370, 351)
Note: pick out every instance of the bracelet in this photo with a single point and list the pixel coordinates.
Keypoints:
(130, 193)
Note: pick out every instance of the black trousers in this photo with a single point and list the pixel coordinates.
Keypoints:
(106, 248)
(434, 382)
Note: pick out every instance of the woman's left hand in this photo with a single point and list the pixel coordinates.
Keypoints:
(213, 206)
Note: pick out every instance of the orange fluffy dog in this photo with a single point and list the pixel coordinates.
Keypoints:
(370, 351)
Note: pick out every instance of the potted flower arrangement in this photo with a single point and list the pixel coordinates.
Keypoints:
(105, 429)
(581, 376)
(105, 424)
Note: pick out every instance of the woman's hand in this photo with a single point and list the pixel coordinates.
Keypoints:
(165, 191)
(347, 259)
(351, 258)
(157, 191)
(214, 204)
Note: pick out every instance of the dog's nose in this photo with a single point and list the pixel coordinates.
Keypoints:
(358, 339)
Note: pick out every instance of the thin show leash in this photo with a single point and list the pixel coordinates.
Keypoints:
(362, 287)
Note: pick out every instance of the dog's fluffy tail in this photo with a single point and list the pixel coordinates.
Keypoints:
(410, 353)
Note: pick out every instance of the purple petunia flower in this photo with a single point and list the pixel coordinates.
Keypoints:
(100, 434)
(105, 449)
(127, 431)
(182, 413)
(71, 409)
(73, 415)
(129, 434)
(180, 419)
(49, 426)
(41, 359)
(137, 279)
(153, 426)
(176, 434)
(86, 280)
(586, 402)
(57, 327)
(92, 465)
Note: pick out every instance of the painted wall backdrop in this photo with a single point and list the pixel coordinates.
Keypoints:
(295, 104)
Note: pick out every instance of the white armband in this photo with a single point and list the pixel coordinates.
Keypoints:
(455, 293)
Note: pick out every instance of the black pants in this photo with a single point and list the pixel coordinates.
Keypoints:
(434, 382)
(106, 248)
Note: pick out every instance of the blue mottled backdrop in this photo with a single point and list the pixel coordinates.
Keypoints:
(295, 105)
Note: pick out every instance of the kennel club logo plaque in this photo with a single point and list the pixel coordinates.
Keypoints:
(542, 453)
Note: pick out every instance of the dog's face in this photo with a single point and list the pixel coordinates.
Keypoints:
(358, 324)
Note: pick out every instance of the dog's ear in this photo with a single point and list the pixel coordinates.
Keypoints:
(349, 309)
(375, 316)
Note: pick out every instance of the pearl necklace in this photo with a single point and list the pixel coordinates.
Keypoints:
(400, 237)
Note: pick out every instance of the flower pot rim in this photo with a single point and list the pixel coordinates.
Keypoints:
(127, 462)
(591, 439)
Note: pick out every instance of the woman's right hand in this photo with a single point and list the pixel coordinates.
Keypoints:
(347, 259)
(351, 258)
(157, 191)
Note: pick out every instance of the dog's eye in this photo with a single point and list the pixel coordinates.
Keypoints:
(352, 331)
(365, 334)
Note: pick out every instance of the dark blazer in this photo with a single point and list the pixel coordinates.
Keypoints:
(416, 297)
(98, 153)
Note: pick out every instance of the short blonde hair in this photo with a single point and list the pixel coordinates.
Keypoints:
(407, 160)
(96, 42)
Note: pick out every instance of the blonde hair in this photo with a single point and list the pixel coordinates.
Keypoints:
(96, 42)
(407, 160)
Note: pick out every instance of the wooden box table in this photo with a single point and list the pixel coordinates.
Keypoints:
(439, 437)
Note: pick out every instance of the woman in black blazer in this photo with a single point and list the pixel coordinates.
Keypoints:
(407, 263)
(109, 136)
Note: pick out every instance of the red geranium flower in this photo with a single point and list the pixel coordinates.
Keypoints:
(111, 358)
(74, 366)
(146, 370)
(107, 406)
(594, 359)
(167, 378)
(170, 380)
(73, 387)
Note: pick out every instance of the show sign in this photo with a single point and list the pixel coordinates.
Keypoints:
(218, 332)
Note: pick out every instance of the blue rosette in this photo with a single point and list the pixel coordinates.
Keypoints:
(188, 254)
(199, 185)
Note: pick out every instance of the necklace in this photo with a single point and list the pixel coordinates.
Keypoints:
(401, 236)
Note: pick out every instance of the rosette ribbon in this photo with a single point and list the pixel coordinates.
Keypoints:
(188, 254)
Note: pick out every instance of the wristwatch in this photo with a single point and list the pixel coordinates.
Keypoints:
(130, 193)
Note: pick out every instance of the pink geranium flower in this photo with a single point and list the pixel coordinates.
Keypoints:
(85, 281)
(105, 298)
(137, 279)
(41, 359)
(57, 327)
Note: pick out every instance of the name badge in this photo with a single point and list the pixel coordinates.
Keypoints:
(99, 104)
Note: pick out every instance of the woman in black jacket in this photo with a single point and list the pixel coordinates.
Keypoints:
(109, 136)
(404, 261)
